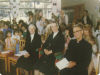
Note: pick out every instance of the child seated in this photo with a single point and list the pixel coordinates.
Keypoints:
(15, 38)
(16, 35)
(21, 35)
(8, 41)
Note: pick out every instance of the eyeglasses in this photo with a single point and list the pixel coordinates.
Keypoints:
(77, 31)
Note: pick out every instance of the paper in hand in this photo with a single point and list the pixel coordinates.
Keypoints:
(21, 53)
(62, 64)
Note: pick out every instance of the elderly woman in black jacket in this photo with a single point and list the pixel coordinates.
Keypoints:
(33, 42)
(53, 45)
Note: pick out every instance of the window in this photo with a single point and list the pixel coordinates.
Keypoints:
(24, 6)
(4, 10)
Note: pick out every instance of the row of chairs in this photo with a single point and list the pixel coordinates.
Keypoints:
(5, 57)
(21, 46)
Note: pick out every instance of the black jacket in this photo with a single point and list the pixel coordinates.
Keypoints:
(56, 44)
(80, 53)
(46, 63)
(30, 47)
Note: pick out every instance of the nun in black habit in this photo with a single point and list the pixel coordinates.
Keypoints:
(33, 42)
(53, 45)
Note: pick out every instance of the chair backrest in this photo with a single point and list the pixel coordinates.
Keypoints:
(21, 45)
(98, 65)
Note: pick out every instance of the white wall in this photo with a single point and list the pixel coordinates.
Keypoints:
(68, 3)
(92, 7)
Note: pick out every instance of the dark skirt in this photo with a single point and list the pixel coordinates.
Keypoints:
(46, 65)
(26, 63)
(73, 71)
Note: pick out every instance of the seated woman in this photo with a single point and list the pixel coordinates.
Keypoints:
(78, 54)
(33, 42)
(53, 45)
(89, 37)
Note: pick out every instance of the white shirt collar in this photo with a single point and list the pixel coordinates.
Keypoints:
(85, 21)
(32, 36)
(55, 33)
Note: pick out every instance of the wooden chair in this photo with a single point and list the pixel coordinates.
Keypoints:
(5, 58)
(21, 45)
(98, 65)
(12, 48)
(12, 60)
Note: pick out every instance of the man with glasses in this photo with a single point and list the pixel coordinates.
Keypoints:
(78, 54)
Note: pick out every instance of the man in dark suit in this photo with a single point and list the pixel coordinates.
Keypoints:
(79, 54)
(86, 18)
(33, 42)
(53, 45)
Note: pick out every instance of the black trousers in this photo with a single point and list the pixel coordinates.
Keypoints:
(73, 72)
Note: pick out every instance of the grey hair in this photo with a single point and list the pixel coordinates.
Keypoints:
(52, 24)
(31, 25)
